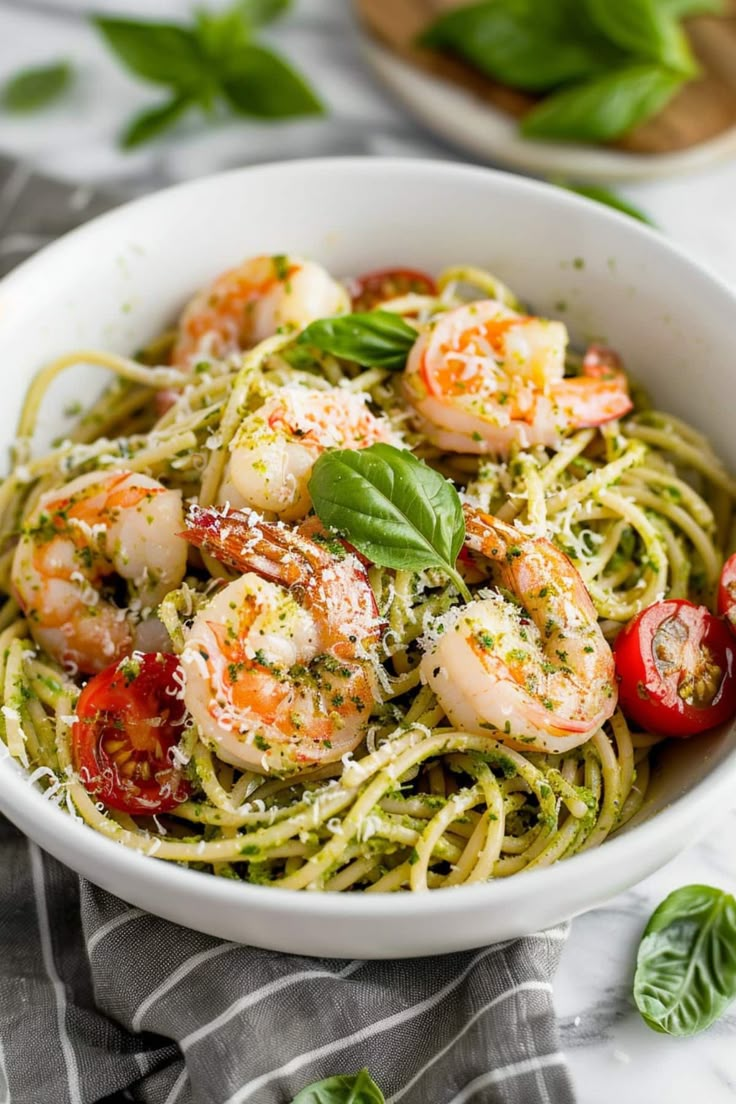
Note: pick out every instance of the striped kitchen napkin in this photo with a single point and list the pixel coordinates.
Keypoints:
(103, 1002)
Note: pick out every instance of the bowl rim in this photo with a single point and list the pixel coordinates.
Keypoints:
(21, 799)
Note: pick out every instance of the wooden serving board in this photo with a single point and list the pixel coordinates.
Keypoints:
(703, 109)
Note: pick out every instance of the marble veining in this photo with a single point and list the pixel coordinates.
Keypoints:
(613, 1056)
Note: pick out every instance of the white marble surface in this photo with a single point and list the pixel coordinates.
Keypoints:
(613, 1056)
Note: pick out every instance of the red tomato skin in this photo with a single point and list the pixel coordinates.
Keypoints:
(108, 707)
(652, 700)
(373, 288)
(727, 592)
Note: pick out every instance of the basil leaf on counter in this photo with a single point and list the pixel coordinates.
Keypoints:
(214, 58)
(258, 82)
(374, 339)
(392, 507)
(603, 108)
(163, 53)
(534, 45)
(686, 966)
(646, 30)
(359, 1088)
(31, 89)
(607, 198)
(148, 124)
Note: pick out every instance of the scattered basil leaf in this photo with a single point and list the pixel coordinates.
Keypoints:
(31, 89)
(163, 53)
(603, 108)
(148, 124)
(375, 339)
(359, 1088)
(222, 34)
(534, 45)
(686, 966)
(646, 30)
(258, 82)
(213, 58)
(608, 199)
(392, 507)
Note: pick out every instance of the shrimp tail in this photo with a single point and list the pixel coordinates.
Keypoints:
(519, 560)
(243, 541)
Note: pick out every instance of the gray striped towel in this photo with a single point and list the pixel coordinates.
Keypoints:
(103, 1002)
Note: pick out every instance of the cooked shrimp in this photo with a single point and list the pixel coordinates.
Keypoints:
(483, 378)
(534, 669)
(100, 530)
(251, 302)
(277, 667)
(275, 448)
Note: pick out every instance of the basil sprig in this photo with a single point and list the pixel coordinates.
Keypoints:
(392, 507)
(213, 60)
(606, 66)
(374, 339)
(686, 967)
(32, 89)
(358, 1088)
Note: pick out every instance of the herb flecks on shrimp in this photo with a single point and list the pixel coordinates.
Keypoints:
(483, 378)
(278, 665)
(99, 530)
(527, 663)
(249, 303)
(275, 448)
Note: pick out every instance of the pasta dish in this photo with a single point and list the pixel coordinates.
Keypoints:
(363, 585)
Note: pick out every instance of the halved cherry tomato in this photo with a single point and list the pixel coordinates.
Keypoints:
(676, 664)
(376, 287)
(129, 717)
(727, 592)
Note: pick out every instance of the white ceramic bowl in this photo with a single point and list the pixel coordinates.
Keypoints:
(122, 278)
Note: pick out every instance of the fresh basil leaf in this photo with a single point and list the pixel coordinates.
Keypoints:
(608, 199)
(164, 53)
(359, 1088)
(32, 89)
(534, 45)
(603, 108)
(686, 966)
(258, 82)
(222, 34)
(645, 29)
(149, 124)
(374, 339)
(392, 507)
